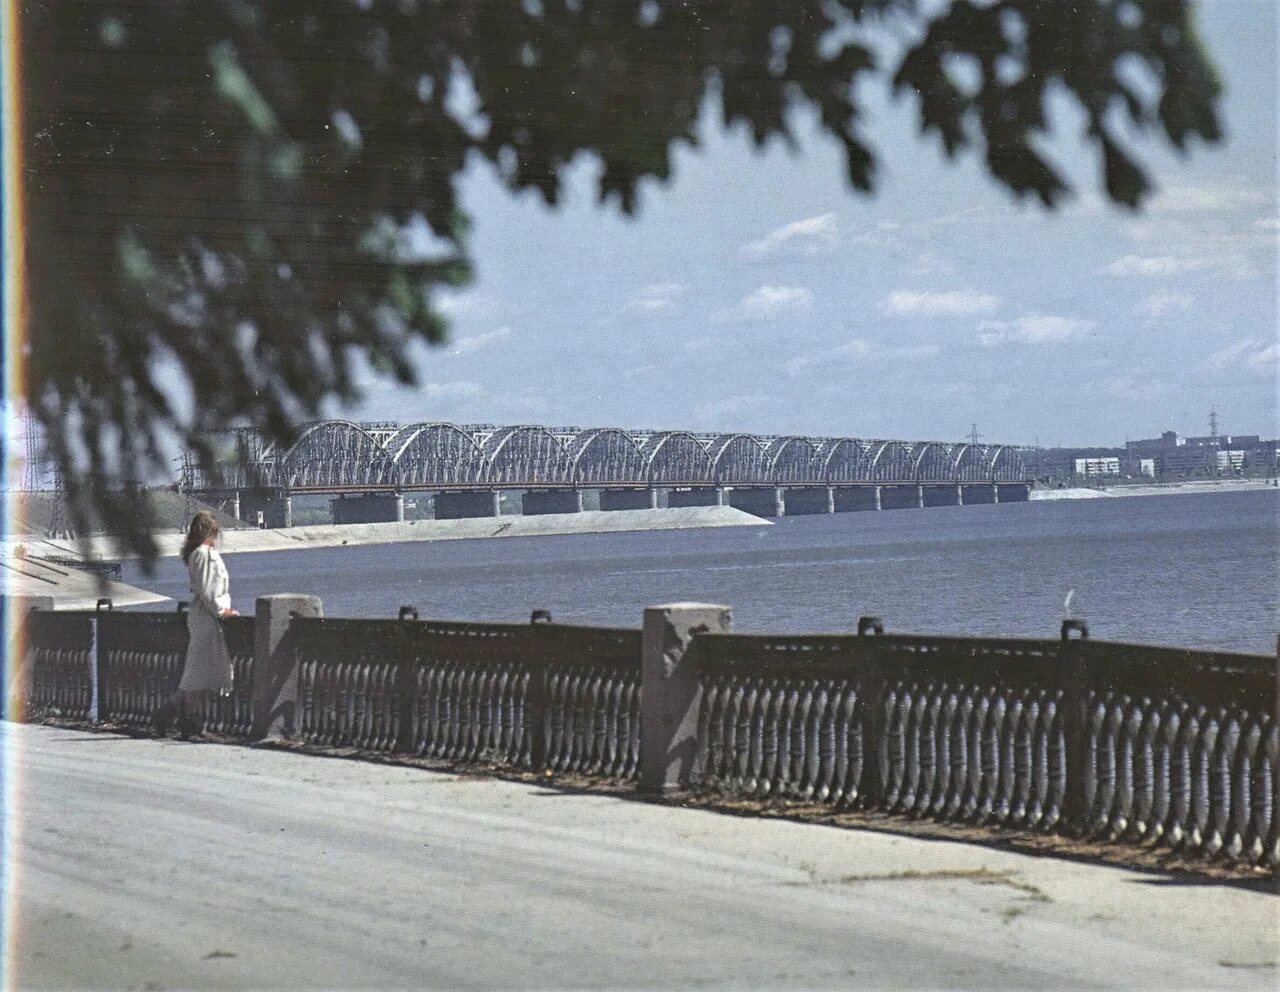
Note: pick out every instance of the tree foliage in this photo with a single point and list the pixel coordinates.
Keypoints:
(226, 191)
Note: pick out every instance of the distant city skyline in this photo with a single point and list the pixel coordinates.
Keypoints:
(755, 292)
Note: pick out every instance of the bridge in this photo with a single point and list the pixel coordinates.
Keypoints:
(368, 468)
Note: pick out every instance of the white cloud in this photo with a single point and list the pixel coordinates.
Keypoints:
(955, 303)
(1164, 303)
(928, 264)
(855, 349)
(769, 303)
(478, 342)
(715, 412)
(1250, 356)
(654, 299)
(1268, 223)
(1033, 329)
(450, 390)
(1135, 386)
(811, 236)
(1187, 199)
(475, 306)
(1235, 266)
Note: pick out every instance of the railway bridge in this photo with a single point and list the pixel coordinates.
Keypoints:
(368, 468)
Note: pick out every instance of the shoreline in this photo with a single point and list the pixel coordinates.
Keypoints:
(105, 548)
(1195, 488)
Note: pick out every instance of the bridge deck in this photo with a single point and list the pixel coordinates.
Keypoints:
(162, 864)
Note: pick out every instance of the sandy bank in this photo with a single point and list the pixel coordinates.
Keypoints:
(340, 535)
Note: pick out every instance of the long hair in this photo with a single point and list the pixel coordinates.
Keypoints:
(204, 525)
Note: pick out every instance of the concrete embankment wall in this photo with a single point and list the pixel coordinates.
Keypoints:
(338, 535)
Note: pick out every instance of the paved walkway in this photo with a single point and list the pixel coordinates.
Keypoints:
(162, 865)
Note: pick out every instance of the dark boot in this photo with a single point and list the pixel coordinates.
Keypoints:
(188, 726)
(163, 718)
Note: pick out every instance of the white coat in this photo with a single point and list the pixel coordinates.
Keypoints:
(208, 666)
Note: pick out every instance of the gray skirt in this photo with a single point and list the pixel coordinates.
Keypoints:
(208, 666)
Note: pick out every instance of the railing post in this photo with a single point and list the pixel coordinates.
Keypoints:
(1273, 855)
(13, 613)
(406, 684)
(99, 711)
(871, 686)
(537, 698)
(275, 663)
(1075, 727)
(671, 691)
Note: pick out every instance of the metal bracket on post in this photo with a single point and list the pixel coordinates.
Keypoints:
(104, 606)
(1079, 626)
(873, 624)
(540, 616)
(408, 613)
(183, 607)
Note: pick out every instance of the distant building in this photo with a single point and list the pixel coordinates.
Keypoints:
(1179, 457)
(1093, 467)
(1231, 461)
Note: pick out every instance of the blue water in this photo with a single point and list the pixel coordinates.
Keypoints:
(1193, 570)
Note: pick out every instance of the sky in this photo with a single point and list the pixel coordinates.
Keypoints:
(756, 291)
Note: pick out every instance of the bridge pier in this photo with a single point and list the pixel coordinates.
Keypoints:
(805, 500)
(368, 508)
(1018, 492)
(628, 499)
(762, 501)
(978, 495)
(472, 503)
(899, 497)
(536, 502)
(943, 495)
(846, 499)
(696, 496)
(264, 508)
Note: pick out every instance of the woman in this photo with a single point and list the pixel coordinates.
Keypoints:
(208, 664)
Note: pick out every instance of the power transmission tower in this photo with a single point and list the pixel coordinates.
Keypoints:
(974, 436)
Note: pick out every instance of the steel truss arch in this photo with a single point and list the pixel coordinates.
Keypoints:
(845, 460)
(527, 455)
(436, 454)
(971, 463)
(795, 460)
(739, 459)
(891, 462)
(931, 462)
(1008, 465)
(676, 458)
(606, 456)
(335, 454)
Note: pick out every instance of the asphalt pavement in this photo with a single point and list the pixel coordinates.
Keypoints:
(147, 864)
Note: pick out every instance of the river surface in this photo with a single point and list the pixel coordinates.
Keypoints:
(1194, 570)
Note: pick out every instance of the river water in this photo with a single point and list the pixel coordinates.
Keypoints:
(1192, 570)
